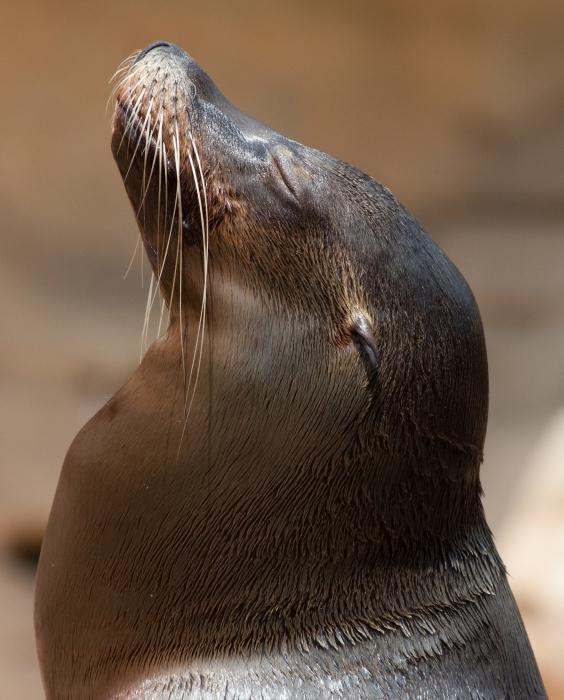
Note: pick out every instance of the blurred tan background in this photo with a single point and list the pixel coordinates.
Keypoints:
(458, 107)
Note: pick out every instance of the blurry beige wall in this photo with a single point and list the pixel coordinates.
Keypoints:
(458, 107)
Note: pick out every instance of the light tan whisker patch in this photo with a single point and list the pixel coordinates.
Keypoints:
(162, 122)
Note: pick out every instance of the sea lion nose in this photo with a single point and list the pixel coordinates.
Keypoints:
(152, 46)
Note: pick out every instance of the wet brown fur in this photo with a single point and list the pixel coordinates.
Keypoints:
(303, 505)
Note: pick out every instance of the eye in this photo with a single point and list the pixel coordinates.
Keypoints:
(365, 344)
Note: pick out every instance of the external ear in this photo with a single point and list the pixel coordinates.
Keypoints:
(365, 344)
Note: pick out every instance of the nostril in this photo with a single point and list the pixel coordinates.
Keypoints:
(149, 48)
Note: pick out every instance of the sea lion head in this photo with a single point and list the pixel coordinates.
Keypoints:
(358, 340)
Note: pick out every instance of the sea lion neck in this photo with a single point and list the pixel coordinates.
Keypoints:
(243, 456)
(257, 544)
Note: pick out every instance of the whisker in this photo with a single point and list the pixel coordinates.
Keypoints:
(146, 189)
(170, 229)
(127, 77)
(146, 127)
(169, 237)
(139, 139)
(163, 304)
(127, 62)
(167, 240)
(158, 150)
(124, 67)
(133, 256)
(179, 246)
(131, 118)
(143, 188)
(146, 122)
(145, 331)
(199, 344)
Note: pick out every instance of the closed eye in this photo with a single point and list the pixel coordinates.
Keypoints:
(365, 344)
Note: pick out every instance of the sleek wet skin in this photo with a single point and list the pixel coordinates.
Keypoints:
(284, 497)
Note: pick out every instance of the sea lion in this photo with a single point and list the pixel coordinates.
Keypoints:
(284, 499)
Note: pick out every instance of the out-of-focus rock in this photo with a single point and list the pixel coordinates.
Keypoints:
(531, 541)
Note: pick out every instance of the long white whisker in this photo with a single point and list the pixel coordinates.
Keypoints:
(133, 256)
(145, 331)
(179, 246)
(148, 124)
(150, 138)
(125, 65)
(125, 132)
(145, 127)
(161, 317)
(131, 118)
(160, 150)
(169, 233)
(126, 78)
(199, 344)
(169, 237)
(140, 138)
(199, 341)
